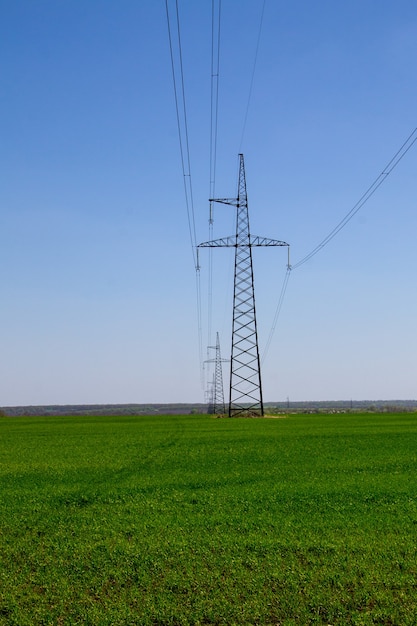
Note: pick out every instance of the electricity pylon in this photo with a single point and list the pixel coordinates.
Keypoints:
(245, 368)
(210, 397)
(216, 394)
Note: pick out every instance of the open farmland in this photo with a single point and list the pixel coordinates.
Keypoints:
(195, 520)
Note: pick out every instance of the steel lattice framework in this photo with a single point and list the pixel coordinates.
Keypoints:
(245, 368)
(216, 394)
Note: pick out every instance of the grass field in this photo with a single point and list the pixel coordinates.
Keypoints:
(195, 520)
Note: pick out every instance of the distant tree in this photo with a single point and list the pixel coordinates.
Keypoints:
(2, 413)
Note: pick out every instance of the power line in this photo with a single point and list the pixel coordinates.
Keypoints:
(182, 126)
(392, 164)
(252, 76)
(214, 111)
(199, 326)
(214, 97)
(277, 313)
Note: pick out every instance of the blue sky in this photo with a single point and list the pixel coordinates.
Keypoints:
(96, 269)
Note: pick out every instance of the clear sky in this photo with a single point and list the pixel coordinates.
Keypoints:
(98, 291)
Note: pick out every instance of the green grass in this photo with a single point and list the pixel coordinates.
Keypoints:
(195, 520)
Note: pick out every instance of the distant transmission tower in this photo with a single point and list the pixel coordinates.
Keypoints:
(245, 368)
(216, 394)
(210, 396)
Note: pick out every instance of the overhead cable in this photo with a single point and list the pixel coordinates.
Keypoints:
(214, 89)
(182, 125)
(277, 313)
(253, 75)
(398, 156)
(214, 110)
(199, 327)
(181, 113)
(392, 164)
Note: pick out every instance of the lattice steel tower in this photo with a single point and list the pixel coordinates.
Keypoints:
(245, 367)
(216, 393)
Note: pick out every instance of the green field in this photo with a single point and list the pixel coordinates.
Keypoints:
(195, 520)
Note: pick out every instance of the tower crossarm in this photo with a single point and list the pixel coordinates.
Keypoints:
(225, 242)
(265, 241)
(231, 242)
(231, 201)
(216, 361)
